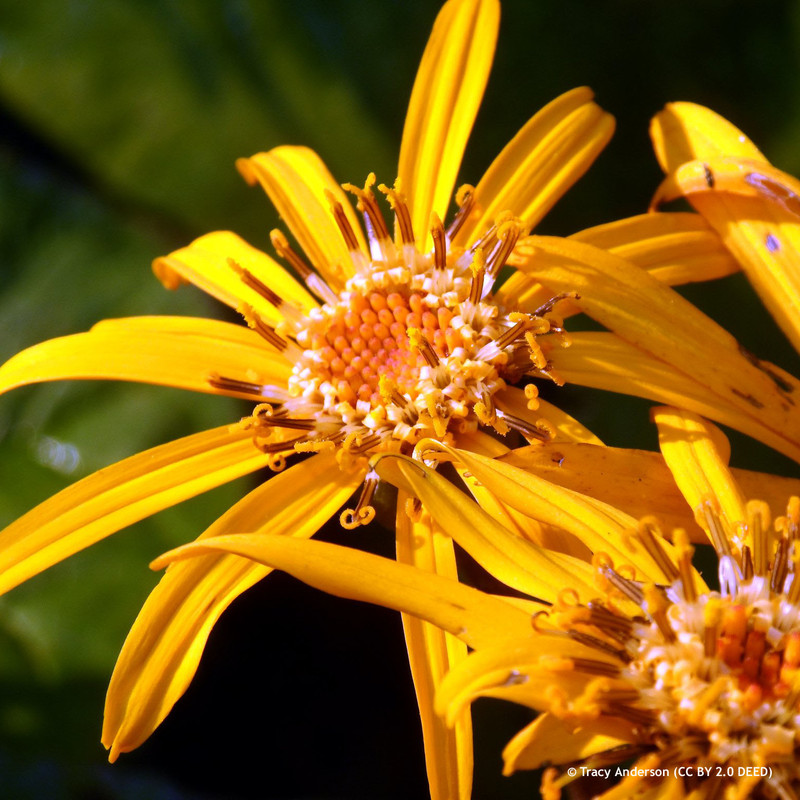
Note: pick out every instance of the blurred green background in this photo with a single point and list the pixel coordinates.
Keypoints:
(120, 121)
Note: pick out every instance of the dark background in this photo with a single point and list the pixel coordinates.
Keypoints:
(120, 121)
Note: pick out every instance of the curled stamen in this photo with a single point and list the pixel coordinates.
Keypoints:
(277, 447)
(287, 422)
(535, 621)
(598, 644)
(613, 625)
(363, 513)
(277, 462)
(508, 232)
(515, 332)
(631, 590)
(655, 606)
(550, 304)
(568, 598)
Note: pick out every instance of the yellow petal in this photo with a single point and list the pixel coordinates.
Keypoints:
(540, 533)
(604, 361)
(753, 206)
(447, 92)
(520, 670)
(685, 131)
(163, 648)
(119, 495)
(674, 248)
(609, 473)
(697, 454)
(635, 481)
(656, 319)
(549, 154)
(474, 617)
(515, 561)
(518, 522)
(169, 351)
(431, 654)
(297, 181)
(765, 238)
(213, 263)
(547, 740)
(601, 527)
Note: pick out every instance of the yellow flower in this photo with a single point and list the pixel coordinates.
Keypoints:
(645, 679)
(387, 338)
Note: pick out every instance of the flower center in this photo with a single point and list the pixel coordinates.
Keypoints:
(709, 681)
(413, 346)
(729, 682)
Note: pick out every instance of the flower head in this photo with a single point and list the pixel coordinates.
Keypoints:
(412, 345)
(369, 340)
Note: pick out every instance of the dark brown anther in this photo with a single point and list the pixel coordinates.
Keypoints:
(348, 234)
(288, 254)
(250, 280)
(402, 215)
(650, 536)
(779, 566)
(368, 206)
(439, 242)
(235, 386)
(465, 197)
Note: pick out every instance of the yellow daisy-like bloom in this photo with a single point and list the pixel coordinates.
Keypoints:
(647, 681)
(392, 334)
(384, 339)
